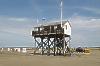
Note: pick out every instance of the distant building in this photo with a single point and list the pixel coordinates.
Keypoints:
(17, 49)
(24, 50)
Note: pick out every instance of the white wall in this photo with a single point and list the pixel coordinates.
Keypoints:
(68, 30)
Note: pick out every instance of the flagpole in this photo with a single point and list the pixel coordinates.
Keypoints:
(37, 21)
(61, 12)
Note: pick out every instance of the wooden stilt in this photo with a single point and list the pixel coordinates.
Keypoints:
(54, 47)
(48, 51)
(42, 46)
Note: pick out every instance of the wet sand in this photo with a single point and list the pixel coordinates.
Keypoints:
(92, 59)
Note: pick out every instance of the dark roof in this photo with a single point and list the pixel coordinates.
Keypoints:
(51, 23)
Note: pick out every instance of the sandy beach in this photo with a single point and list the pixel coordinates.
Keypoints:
(92, 59)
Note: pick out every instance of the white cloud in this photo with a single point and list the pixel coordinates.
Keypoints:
(93, 23)
(85, 31)
(19, 19)
(16, 31)
(95, 10)
(21, 26)
(85, 22)
(89, 9)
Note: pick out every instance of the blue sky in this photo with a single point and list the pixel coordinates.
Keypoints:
(17, 18)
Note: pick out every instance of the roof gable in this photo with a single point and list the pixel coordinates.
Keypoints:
(51, 23)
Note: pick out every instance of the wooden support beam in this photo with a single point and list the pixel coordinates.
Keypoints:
(54, 47)
(56, 44)
(35, 41)
(48, 51)
(42, 46)
(64, 47)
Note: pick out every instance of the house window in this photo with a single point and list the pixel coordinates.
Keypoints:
(66, 26)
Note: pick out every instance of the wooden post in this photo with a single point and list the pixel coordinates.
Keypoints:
(42, 46)
(35, 41)
(64, 48)
(48, 51)
(54, 46)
